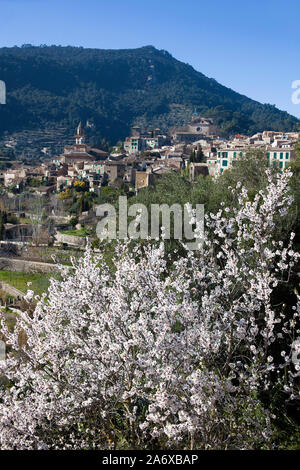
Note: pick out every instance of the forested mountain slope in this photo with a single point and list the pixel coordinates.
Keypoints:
(113, 89)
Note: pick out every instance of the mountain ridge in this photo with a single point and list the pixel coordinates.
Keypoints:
(113, 89)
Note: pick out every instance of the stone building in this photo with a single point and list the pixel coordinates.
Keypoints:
(114, 170)
(199, 127)
(197, 169)
(138, 141)
(80, 151)
(143, 179)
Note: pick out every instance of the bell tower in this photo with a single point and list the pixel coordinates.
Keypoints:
(80, 136)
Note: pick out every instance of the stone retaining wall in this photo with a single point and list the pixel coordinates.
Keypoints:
(13, 264)
(11, 290)
(70, 240)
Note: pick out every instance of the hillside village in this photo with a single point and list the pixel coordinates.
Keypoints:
(87, 175)
(149, 231)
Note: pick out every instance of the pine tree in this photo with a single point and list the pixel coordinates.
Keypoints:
(197, 156)
(200, 155)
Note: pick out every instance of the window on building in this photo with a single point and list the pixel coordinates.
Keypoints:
(287, 155)
(275, 155)
(224, 163)
(281, 155)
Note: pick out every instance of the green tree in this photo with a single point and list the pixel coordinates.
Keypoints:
(197, 156)
(297, 148)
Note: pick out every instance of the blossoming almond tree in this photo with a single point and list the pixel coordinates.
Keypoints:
(153, 357)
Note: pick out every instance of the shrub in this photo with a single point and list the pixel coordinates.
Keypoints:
(153, 357)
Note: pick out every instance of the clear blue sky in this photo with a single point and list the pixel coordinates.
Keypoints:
(251, 46)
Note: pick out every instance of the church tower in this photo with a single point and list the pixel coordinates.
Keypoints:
(80, 136)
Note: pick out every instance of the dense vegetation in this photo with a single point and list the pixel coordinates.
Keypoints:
(174, 188)
(113, 89)
(212, 365)
(193, 355)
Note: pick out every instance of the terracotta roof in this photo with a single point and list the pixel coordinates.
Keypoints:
(98, 151)
(77, 154)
